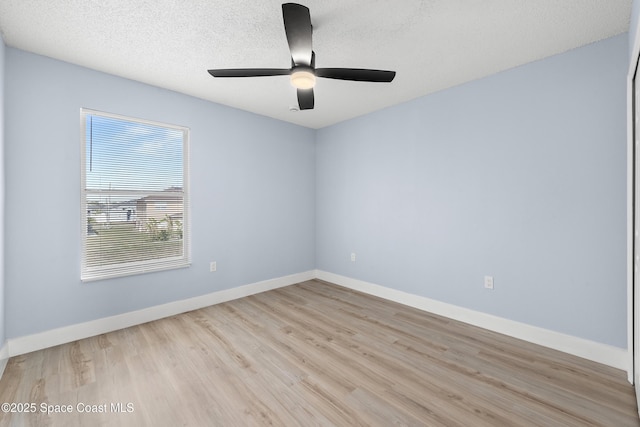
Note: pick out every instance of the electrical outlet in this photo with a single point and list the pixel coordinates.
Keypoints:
(488, 282)
(353, 257)
(212, 266)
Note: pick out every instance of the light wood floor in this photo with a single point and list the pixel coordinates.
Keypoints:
(313, 354)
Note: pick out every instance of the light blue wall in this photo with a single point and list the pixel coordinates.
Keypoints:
(252, 183)
(2, 299)
(634, 24)
(521, 175)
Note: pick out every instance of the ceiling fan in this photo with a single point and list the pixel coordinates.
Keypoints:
(303, 72)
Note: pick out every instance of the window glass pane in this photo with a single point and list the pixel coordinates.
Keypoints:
(134, 202)
(129, 155)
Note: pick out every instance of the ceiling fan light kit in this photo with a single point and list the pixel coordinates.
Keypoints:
(298, 29)
(303, 78)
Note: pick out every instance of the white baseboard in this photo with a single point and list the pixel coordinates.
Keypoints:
(636, 389)
(602, 353)
(53, 337)
(598, 352)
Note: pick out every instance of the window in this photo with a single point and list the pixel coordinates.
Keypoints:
(135, 198)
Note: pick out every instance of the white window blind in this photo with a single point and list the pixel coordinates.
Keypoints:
(135, 199)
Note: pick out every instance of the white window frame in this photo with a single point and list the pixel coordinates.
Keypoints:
(132, 268)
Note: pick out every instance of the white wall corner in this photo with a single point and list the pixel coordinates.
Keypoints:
(602, 353)
(53, 337)
(4, 358)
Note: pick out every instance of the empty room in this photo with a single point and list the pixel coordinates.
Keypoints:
(331, 213)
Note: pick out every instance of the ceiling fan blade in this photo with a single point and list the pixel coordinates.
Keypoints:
(249, 72)
(305, 99)
(297, 26)
(357, 74)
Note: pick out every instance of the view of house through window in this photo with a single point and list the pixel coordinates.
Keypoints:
(134, 198)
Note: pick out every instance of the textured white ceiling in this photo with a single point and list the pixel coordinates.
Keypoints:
(432, 44)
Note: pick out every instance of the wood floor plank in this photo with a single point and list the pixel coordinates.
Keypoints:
(313, 354)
